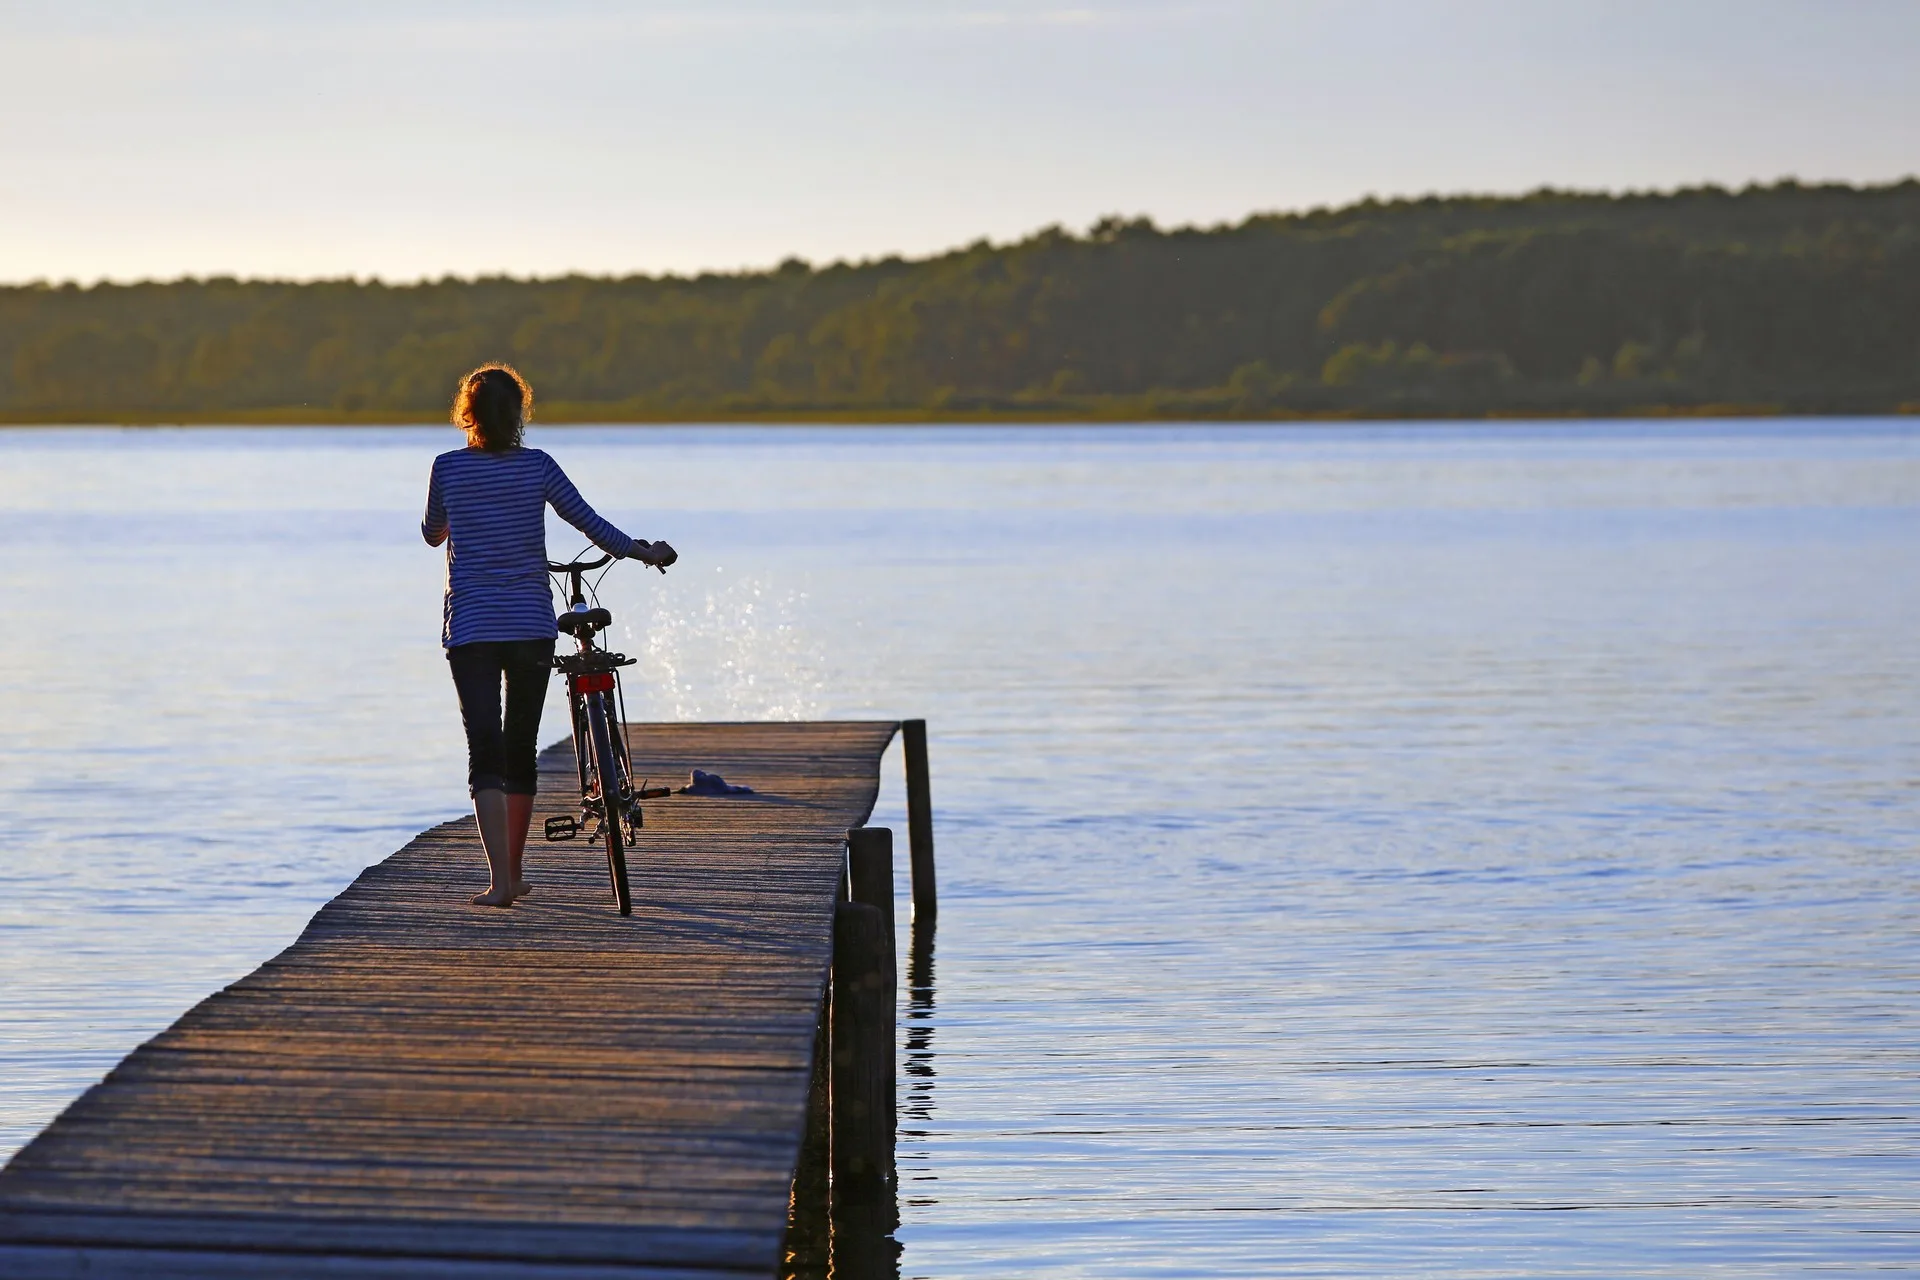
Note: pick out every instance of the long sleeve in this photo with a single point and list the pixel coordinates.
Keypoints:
(574, 510)
(433, 525)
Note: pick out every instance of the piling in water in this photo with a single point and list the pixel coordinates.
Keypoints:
(870, 869)
(926, 904)
(862, 1053)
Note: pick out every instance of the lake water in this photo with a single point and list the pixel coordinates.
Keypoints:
(1365, 850)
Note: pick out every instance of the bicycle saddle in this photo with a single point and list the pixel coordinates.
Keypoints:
(591, 621)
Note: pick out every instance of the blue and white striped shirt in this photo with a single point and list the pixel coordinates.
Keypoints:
(491, 511)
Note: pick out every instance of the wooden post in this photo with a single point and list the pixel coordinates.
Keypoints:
(870, 868)
(870, 881)
(862, 1070)
(926, 904)
(866, 1201)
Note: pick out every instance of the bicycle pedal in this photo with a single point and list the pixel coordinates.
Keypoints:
(562, 827)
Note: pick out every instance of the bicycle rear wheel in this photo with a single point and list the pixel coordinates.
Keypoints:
(606, 767)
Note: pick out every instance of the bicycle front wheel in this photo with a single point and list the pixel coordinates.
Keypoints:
(606, 767)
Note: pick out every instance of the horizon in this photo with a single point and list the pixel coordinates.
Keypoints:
(1365, 201)
(213, 140)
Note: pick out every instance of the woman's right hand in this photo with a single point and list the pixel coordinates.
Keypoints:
(657, 554)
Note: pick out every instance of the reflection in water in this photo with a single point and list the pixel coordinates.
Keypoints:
(863, 1243)
(917, 1110)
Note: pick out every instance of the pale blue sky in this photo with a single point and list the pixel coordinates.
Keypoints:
(410, 138)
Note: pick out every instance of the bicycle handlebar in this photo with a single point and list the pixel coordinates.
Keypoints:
(581, 565)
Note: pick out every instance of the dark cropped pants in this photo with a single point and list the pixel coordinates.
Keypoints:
(501, 750)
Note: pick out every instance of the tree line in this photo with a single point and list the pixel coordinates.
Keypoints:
(1781, 298)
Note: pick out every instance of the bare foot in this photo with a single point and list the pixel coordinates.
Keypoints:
(521, 889)
(492, 898)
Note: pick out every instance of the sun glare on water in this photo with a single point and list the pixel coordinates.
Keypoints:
(723, 647)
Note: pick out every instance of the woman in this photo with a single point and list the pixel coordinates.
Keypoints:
(488, 503)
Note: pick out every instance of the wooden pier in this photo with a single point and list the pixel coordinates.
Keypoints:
(419, 1087)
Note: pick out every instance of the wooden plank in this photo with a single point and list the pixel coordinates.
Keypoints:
(58, 1262)
(422, 1087)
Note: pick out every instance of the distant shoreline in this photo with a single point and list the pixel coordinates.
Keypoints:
(1769, 301)
(910, 418)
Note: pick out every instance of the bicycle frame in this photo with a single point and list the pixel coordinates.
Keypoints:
(608, 795)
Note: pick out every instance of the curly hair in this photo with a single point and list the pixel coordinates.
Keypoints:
(493, 405)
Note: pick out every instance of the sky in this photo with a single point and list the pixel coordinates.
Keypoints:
(411, 139)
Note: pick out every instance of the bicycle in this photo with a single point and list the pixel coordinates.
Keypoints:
(608, 795)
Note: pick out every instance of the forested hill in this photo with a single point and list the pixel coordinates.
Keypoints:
(1783, 298)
